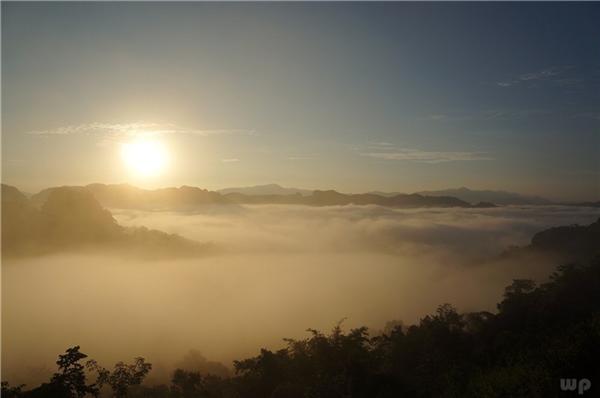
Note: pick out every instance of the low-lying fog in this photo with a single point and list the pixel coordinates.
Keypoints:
(279, 271)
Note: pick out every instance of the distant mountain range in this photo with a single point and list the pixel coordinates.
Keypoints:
(66, 218)
(497, 197)
(334, 198)
(267, 189)
(189, 198)
(464, 194)
(564, 243)
(124, 196)
(70, 218)
(473, 196)
(574, 240)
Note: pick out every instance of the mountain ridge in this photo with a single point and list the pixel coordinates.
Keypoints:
(189, 198)
(71, 218)
(266, 189)
(498, 197)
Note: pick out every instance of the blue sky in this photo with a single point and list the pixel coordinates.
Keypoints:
(350, 96)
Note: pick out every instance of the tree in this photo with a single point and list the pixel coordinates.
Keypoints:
(69, 381)
(11, 392)
(122, 376)
(71, 374)
(538, 335)
(187, 384)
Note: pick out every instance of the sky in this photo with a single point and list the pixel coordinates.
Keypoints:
(348, 96)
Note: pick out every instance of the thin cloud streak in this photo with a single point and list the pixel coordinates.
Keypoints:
(388, 151)
(488, 114)
(544, 74)
(120, 130)
(416, 155)
(300, 158)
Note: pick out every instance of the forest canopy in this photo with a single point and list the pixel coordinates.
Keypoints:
(538, 335)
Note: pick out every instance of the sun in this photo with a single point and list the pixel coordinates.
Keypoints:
(145, 158)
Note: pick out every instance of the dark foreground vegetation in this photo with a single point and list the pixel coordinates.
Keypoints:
(538, 336)
(72, 219)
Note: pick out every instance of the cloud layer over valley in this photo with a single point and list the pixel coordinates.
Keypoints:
(279, 270)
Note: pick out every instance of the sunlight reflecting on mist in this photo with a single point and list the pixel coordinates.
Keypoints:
(282, 269)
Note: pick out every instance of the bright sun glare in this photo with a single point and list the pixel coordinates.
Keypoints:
(145, 158)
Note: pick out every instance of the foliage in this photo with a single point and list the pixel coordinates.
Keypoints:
(123, 376)
(539, 335)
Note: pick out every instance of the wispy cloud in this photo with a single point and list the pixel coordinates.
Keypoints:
(380, 144)
(301, 157)
(487, 114)
(135, 129)
(230, 160)
(388, 151)
(546, 74)
(416, 155)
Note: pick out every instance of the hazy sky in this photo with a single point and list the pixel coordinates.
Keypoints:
(354, 97)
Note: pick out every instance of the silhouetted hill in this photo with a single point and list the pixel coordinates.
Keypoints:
(563, 244)
(267, 189)
(334, 198)
(20, 220)
(497, 197)
(11, 194)
(575, 241)
(125, 196)
(194, 361)
(72, 218)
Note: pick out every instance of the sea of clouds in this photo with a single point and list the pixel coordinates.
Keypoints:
(465, 233)
(278, 270)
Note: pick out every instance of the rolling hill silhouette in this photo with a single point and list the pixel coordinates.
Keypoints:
(497, 197)
(72, 218)
(502, 198)
(125, 196)
(266, 189)
(574, 241)
(580, 243)
(334, 198)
